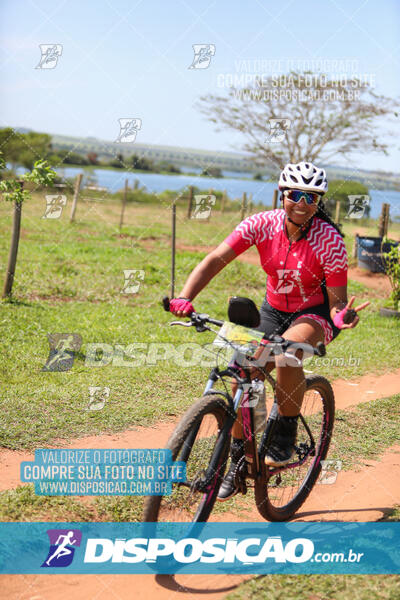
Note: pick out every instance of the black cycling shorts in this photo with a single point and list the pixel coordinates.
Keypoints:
(276, 322)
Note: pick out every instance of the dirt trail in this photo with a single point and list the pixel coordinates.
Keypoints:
(348, 499)
(347, 393)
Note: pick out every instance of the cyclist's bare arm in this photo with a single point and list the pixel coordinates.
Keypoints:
(209, 267)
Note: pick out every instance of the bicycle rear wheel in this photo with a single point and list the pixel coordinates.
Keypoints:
(279, 493)
(199, 434)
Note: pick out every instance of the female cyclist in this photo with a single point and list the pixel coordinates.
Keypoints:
(303, 253)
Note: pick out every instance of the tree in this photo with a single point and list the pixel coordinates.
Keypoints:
(212, 172)
(141, 163)
(92, 158)
(313, 118)
(24, 148)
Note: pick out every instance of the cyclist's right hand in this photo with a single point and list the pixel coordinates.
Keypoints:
(182, 307)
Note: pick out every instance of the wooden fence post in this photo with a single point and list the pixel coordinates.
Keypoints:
(386, 223)
(355, 246)
(275, 199)
(190, 202)
(250, 207)
(337, 214)
(244, 206)
(223, 200)
(173, 246)
(384, 220)
(121, 221)
(12, 257)
(76, 194)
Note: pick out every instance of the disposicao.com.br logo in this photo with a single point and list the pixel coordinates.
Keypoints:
(193, 550)
(200, 548)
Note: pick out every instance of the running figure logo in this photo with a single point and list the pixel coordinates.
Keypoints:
(277, 130)
(62, 547)
(54, 206)
(357, 206)
(287, 280)
(50, 55)
(62, 351)
(128, 129)
(202, 55)
(204, 203)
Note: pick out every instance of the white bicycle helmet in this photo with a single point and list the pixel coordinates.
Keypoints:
(303, 176)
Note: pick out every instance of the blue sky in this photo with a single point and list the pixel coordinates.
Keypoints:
(130, 59)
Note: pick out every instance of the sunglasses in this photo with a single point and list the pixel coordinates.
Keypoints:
(296, 195)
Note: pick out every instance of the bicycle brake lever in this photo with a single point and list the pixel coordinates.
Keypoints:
(293, 357)
(183, 323)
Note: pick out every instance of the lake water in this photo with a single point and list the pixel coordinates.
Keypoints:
(114, 180)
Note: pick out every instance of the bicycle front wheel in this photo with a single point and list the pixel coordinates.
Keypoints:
(199, 437)
(280, 492)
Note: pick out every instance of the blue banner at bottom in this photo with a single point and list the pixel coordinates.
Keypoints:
(209, 548)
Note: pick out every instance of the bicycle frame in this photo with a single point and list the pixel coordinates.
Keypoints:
(253, 456)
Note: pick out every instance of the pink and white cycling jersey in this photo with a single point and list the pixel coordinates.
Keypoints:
(295, 269)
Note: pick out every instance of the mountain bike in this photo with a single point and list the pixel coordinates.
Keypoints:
(202, 438)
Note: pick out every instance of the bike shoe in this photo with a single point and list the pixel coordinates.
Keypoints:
(281, 449)
(228, 488)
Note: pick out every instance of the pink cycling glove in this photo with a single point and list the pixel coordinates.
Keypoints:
(340, 319)
(181, 305)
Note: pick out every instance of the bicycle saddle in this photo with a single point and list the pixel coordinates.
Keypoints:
(243, 311)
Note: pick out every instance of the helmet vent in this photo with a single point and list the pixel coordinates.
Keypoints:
(307, 179)
(293, 178)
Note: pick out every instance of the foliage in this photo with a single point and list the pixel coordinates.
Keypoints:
(92, 158)
(320, 117)
(212, 172)
(392, 268)
(140, 162)
(24, 148)
(12, 189)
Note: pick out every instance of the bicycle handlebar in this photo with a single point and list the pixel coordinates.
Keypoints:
(200, 319)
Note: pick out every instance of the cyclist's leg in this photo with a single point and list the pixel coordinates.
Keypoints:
(268, 325)
(290, 389)
(290, 386)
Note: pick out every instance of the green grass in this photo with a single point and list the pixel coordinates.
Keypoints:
(318, 587)
(22, 504)
(364, 432)
(359, 435)
(69, 280)
(394, 515)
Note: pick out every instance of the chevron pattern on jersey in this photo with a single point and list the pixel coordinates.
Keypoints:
(328, 246)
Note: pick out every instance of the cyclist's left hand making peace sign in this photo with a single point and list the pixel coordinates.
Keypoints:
(347, 318)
